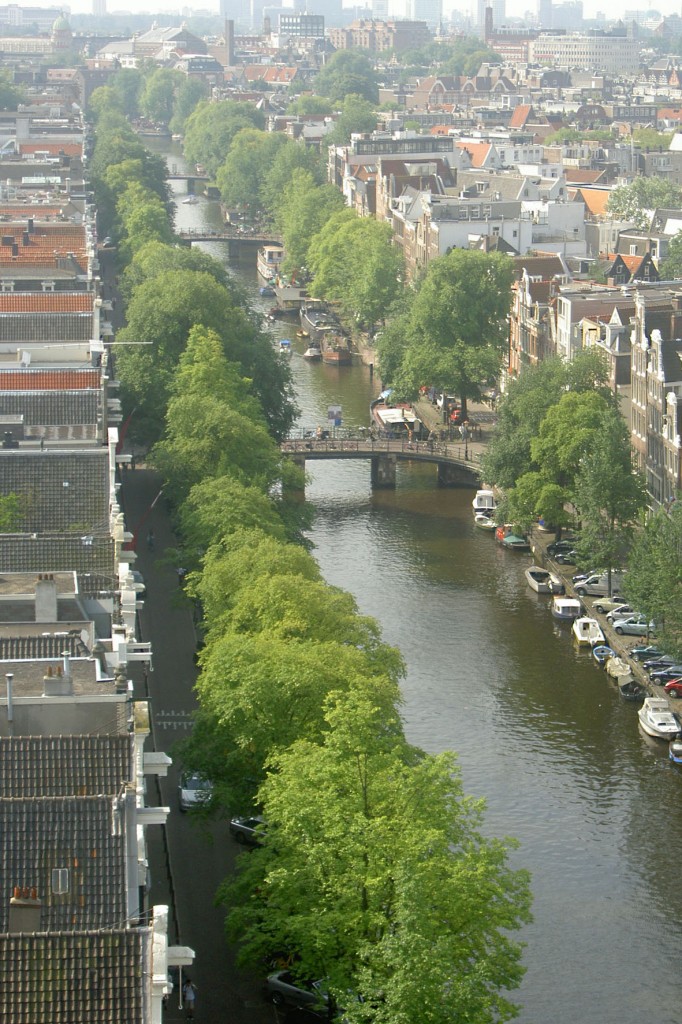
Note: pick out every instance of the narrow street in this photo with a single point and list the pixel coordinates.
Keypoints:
(187, 864)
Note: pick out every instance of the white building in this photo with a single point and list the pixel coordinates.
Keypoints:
(618, 55)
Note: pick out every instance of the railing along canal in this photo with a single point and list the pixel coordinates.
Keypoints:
(366, 446)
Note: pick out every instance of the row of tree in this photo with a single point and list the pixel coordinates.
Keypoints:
(374, 872)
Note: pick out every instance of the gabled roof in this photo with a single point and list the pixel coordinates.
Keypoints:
(60, 379)
(47, 302)
(478, 151)
(520, 115)
(64, 766)
(595, 199)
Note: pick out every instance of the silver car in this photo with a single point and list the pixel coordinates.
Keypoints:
(285, 990)
(634, 625)
(193, 790)
(248, 830)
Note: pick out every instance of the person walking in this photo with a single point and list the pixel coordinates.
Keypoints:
(189, 996)
(150, 540)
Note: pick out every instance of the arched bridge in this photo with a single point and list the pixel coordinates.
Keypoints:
(458, 465)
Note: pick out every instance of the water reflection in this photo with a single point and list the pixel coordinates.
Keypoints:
(539, 731)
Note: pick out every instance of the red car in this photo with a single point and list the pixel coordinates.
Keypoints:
(674, 687)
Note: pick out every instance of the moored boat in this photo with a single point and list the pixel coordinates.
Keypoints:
(399, 421)
(485, 522)
(336, 349)
(542, 581)
(630, 689)
(587, 631)
(269, 259)
(566, 609)
(515, 542)
(284, 347)
(618, 668)
(675, 751)
(601, 653)
(484, 501)
(656, 718)
(190, 200)
(313, 352)
(316, 318)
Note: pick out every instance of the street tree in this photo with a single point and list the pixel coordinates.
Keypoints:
(218, 509)
(458, 325)
(214, 425)
(637, 201)
(157, 257)
(187, 95)
(157, 97)
(347, 72)
(242, 175)
(654, 578)
(532, 498)
(671, 264)
(127, 84)
(289, 158)
(304, 210)
(143, 217)
(567, 434)
(608, 495)
(211, 127)
(375, 875)
(308, 105)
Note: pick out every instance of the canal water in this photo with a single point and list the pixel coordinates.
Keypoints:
(540, 733)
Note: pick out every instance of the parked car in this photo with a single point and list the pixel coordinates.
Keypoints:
(285, 990)
(569, 557)
(622, 611)
(645, 652)
(560, 547)
(633, 625)
(599, 585)
(606, 605)
(248, 830)
(665, 675)
(660, 661)
(674, 688)
(193, 790)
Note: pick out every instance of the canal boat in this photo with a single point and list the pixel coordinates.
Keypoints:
(313, 353)
(515, 542)
(485, 521)
(399, 421)
(484, 501)
(618, 668)
(336, 350)
(289, 298)
(542, 581)
(190, 201)
(630, 689)
(316, 319)
(269, 259)
(656, 718)
(566, 609)
(284, 347)
(601, 653)
(587, 631)
(675, 751)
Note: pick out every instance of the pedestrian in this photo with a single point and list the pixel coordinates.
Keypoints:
(189, 995)
(150, 540)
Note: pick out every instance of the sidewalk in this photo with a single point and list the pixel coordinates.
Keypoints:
(482, 420)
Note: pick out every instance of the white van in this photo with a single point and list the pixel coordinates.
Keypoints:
(598, 584)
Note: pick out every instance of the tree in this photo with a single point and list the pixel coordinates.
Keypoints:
(143, 218)
(190, 92)
(10, 95)
(671, 264)
(357, 116)
(608, 495)
(241, 177)
(654, 577)
(346, 72)
(158, 94)
(211, 127)
(157, 257)
(289, 158)
(375, 875)
(566, 435)
(308, 105)
(127, 84)
(458, 327)
(353, 263)
(649, 138)
(637, 201)
(304, 209)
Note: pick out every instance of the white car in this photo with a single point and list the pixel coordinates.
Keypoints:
(193, 790)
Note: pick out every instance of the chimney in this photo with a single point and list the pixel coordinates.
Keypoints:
(30, 225)
(25, 238)
(46, 598)
(57, 684)
(24, 912)
(15, 249)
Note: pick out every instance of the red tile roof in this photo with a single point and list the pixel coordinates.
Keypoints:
(26, 379)
(47, 302)
(520, 115)
(52, 148)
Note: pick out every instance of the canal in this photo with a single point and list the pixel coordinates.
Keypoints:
(540, 734)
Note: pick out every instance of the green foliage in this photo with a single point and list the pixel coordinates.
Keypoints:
(649, 138)
(654, 578)
(347, 72)
(127, 85)
(457, 325)
(671, 266)
(105, 100)
(187, 95)
(567, 135)
(156, 257)
(303, 211)
(635, 202)
(241, 177)
(12, 511)
(289, 158)
(463, 57)
(143, 218)
(566, 435)
(357, 116)
(157, 98)
(354, 264)
(211, 127)
(310, 106)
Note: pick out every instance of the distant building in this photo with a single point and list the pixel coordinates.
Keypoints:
(430, 11)
(376, 36)
(301, 26)
(478, 13)
(618, 55)
(99, 8)
(40, 18)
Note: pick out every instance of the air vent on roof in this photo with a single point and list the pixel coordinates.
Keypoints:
(60, 881)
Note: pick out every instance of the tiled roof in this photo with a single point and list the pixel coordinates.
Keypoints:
(51, 408)
(27, 379)
(520, 115)
(63, 766)
(85, 835)
(76, 978)
(52, 148)
(52, 551)
(46, 302)
(48, 327)
(595, 200)
(48, 647)
(582, 176)
(63, 491)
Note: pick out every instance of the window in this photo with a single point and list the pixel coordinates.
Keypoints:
(633, 250)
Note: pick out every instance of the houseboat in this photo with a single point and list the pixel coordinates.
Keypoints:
(336, 350)
(399, 420)
(269, 261)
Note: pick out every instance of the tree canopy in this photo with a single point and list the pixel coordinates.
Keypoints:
(303, 211)
(211, 128)
(636, 202)
(347, 72)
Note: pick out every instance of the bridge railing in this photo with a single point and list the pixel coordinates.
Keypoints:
(369, 445)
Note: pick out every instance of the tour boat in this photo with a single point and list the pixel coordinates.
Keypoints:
(587, 631)
(656, 718)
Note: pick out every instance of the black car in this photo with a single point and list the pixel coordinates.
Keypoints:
(560, 547)
(665, 675)
(569, 557)
(646, 652)
(662, 661)
(248, 830)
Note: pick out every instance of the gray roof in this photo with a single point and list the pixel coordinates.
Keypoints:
(85, 835)
(51, 408)
(75, 978)
(47, 327)
(45, 646)
(63, 491)
(52, 551)
(40, 766)
(671, 359)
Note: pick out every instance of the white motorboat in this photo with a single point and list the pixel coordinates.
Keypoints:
(566, 609)
(587, 631)
(542, 581)
(484, 521)
(190, 201)
(313, 352)
(285, 347)
(484, 502)
(656, 718)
